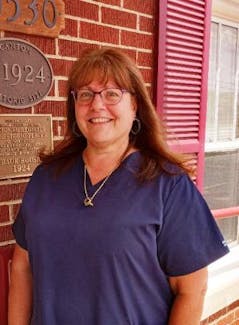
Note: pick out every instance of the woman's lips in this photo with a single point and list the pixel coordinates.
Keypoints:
(99, 120)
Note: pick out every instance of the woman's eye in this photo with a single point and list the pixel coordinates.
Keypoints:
(84, 94)
(112, 94)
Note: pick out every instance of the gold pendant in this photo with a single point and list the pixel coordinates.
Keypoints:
(88, 202)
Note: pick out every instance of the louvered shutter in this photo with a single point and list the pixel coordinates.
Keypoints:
(183, 51)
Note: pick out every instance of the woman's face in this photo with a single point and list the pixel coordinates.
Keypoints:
(105, 124)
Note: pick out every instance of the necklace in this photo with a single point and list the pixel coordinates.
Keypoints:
(88, 201)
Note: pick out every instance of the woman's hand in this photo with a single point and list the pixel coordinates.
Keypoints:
(20, 293)
(189, 293)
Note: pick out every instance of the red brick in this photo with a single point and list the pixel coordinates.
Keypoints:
(146, 24)
(5, 110)
(62, 88)
(12, 192)
(71, 28)
(217, 314)
(118, 18)
(99, 33)
(61, 67)
(145, 59)
(6, 233)
(50, 107)
(45, 44)
(237, 313)
(82, 9)
(52, 91)
(6, 253)
(236, 322)
(59, 128)
(131, 53)
(234, 305)
(73, 49)
(111, 2)
(129, 38)
(4, 213)
(16, 208)
(145, 6)
(137, 40)
(226, 320)
(147, 75)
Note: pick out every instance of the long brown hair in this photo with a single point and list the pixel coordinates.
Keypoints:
(104, 64)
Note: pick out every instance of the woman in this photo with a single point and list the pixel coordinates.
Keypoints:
(111, 229)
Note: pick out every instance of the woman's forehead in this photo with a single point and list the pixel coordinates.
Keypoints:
(99, 84)
(103, 75)
(96, 78)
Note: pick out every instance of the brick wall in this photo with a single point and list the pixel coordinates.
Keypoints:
(227, 316)
(126, 24)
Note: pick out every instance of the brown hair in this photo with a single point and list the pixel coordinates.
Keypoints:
(104, 64)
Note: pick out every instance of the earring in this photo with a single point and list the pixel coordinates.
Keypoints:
(74, 130)
(136, 127)
(73, 94)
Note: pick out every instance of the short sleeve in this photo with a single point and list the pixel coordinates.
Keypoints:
(18, 229)
(189, 238)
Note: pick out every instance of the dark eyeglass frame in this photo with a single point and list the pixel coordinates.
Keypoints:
(74, 94)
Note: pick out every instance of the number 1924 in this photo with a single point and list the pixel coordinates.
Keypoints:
(21, 168)
(16, 72)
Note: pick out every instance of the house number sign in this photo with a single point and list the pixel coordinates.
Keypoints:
(39, 17)
(25, 74)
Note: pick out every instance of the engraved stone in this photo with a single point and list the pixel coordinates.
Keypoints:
(25, 74)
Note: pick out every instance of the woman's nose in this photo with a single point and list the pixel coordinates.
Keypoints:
(97, 102)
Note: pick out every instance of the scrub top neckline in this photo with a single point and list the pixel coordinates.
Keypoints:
(127, 162)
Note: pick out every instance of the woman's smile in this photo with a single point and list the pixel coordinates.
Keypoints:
(100, 120)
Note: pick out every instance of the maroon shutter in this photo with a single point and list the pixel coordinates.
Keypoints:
(183, 51)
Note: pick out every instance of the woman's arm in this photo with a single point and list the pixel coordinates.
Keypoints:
(189, 293)
(20, 293)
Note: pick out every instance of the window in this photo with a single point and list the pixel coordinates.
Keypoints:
(222, 130)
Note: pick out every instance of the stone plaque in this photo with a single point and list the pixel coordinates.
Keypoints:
(25, 74)
(21, 138)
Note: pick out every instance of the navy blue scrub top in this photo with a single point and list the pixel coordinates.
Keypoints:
(109, 264)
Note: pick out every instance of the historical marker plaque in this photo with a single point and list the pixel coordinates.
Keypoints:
(25, 74)
(21, 139)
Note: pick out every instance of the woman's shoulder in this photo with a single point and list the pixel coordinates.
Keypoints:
(39, 177)
(38, 172)
(173, 174)
(52, 172)
(172, 168)
(43, 170)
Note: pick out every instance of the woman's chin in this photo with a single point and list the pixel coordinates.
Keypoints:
(100, 141)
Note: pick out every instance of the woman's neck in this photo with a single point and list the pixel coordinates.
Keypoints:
(100, 162)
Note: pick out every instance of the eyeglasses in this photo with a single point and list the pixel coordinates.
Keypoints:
(109, 96)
